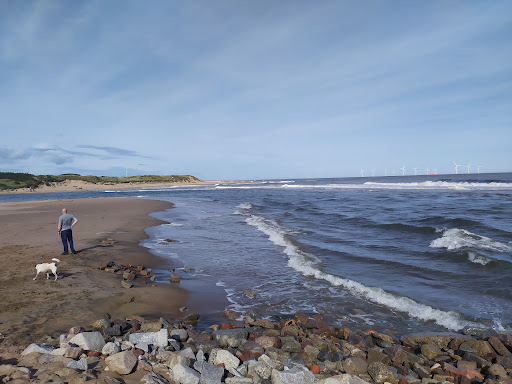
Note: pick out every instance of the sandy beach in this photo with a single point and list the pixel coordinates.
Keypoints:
(79, 185)
(31, 310)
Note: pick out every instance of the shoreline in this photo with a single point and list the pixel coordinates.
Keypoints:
(83, 293)
(79, 185)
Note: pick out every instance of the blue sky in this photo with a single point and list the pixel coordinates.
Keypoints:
(255, 89)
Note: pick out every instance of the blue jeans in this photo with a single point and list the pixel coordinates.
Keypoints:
(67, 235)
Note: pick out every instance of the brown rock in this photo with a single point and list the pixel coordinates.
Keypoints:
(355, 365)
(175, 277)
(468, 373)
(126, 284)
(73, 352)
(481, 347)
(268, 341)
(497, 370)
(122, 363)
(430, 351)
(263, 323)
(498, 346)
(191, 319)
(396, 354)
(440, 341)
(466, 364)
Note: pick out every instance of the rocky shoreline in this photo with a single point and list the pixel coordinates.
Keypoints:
(246, 349)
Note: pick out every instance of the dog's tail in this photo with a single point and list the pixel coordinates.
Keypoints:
(56, 260)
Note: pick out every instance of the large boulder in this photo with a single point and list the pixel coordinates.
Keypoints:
(430, 351)
(355, 365)
(296, 375)
(381, 373)
(183, 374)
(345, 379)
(89, 341)
(158, 339)
(39, 348)
(221, 356)
(122, 363)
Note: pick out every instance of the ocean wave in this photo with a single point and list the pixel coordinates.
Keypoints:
(425, 185)
(479, 259)
(308, 265)
(244, 206)
(455, 238)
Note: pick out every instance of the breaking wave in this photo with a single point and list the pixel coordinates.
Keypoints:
(455, 238)
(309, 265)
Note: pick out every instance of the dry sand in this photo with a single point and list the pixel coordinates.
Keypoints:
(79, 185)
(30, 310)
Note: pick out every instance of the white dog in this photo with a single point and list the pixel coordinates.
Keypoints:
(47, 267)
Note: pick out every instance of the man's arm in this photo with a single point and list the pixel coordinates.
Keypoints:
(59, 227)
(75, 220)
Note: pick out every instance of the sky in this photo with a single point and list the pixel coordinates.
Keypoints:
(255, 89)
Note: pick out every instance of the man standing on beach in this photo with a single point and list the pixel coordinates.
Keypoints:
(66, 222)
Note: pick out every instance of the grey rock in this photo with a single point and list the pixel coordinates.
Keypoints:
(396, 353)
(296, 375)
(355, 365)
(221, 356)
(153, 378)
(126, 284)
(187, 352)
(376, 356)
(291, 346)
(430, 351)
(381, 373)
(158, 339)
(497, 370)
(230, 336)
(345, 379)
(179, 334)
(292, 362)
(239, 380)
(263, 370)
(421, 371)
(78, 364)
(122, 363)
(89, 341)
(210, 374)
(183, 374)
(110, 349)
(39, 348)
(200, 355)
(128, 275)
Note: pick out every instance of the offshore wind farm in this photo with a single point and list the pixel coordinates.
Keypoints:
(428, 171)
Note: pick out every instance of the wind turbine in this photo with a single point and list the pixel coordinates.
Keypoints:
(469, 167)
(415, 171)
(403, 170)
(435, 171)
(373, 172)
(478, 168)
(362, 172)
(456, 167)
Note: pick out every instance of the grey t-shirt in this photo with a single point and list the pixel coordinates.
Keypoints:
(65, 221)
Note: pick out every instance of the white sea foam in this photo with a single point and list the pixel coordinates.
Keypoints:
(308, 265)
(425, 185)
(478, 259)
(245, 206)
(455, 238)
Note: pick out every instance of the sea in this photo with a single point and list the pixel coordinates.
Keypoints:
(408, 253)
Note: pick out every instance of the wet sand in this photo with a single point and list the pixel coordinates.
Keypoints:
(31, 310)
